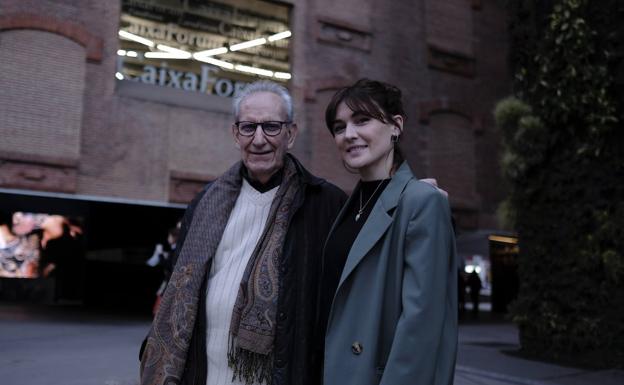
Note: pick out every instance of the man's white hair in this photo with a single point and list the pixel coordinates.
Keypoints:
(265, 86)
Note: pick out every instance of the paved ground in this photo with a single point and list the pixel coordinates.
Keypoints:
(60, 346)
(486, 357)
(65, 347)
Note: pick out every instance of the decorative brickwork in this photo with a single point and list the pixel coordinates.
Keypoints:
(429, 107)
(35, 172)
(343, 34)
(40, 109)
(183, 186)
(452, 62)
(69, 29)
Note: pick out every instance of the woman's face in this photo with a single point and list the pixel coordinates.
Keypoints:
(364, 142)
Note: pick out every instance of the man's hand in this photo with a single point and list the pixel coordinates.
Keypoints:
(434, 183)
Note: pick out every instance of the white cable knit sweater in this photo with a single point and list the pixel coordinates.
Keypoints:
(241, 234)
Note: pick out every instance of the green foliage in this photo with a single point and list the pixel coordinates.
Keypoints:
(523, 135)
(569, 86)
(564, 162)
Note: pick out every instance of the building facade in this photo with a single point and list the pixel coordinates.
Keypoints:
(81, 115)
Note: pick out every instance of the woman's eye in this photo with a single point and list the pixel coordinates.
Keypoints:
(362, 120)
(338, 129)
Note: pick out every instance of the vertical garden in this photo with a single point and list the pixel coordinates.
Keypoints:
(563, 161)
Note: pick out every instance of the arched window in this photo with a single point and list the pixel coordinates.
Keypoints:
(41, 98)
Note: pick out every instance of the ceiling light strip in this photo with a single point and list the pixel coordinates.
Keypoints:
(248, 44)
(166, 55)
(205, 56)
(280, 36)
(177, 51)
(253, 70)
(211, 52)
(216, 62)
(136, 38)
(282, 75)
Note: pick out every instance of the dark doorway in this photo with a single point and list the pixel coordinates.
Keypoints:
(107, 267)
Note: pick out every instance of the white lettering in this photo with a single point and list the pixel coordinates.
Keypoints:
(206, 78)
(224, 87)
(174, 77)
(149, 75)
(162, 76)
(182, 37)
(190, 82)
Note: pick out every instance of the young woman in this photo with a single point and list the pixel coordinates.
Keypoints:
(389, 296)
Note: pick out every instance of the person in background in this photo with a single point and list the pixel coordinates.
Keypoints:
(62, 257)
(475, 285)
(461, 292)
(165, 259)
(389, 275)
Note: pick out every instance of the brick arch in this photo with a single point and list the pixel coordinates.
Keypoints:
(430, 107)
(74, 31)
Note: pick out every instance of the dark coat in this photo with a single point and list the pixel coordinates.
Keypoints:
(296, 359)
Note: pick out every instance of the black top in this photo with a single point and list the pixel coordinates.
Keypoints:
(273, 182)
(340, 241)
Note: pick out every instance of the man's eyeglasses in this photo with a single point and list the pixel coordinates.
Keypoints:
(270, 128)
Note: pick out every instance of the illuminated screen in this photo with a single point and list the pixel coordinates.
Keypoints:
(35, 244)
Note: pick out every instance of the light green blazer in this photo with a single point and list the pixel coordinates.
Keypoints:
(393, 320)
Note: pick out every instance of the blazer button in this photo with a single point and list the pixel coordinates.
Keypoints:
(357, 348)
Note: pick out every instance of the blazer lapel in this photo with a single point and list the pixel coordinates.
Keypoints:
(378, 221)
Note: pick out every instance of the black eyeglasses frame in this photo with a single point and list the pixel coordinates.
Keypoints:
(262, 125)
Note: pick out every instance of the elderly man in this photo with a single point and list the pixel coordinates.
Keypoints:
(240, 305)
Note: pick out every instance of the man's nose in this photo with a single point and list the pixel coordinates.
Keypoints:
(258, 137)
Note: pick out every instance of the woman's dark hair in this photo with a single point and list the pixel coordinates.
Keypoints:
(373, 98)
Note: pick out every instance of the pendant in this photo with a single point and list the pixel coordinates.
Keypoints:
(357, 216)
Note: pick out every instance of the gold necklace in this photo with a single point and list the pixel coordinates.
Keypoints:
(359, 214)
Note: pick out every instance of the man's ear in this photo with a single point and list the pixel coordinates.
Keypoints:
(292, 135)
(235, 135)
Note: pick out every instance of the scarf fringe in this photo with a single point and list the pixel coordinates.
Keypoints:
(249, 366)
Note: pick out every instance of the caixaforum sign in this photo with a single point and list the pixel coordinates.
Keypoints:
(204, 82)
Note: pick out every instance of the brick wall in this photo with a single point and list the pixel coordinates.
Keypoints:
(150, 144)
(43, 78)
(451, 156)
(449, 58)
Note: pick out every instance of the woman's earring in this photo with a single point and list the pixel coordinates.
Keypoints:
(394, 138)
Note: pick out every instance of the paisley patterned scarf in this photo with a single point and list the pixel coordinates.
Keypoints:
(252, 328)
